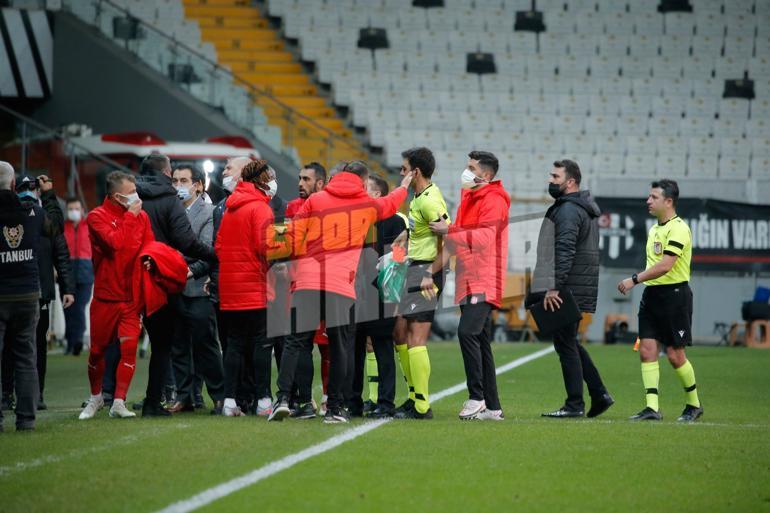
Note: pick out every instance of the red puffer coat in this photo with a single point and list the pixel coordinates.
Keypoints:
(479, 239)
(328, 232)
(243, 242)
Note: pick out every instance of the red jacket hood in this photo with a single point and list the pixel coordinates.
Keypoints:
(346, 185)
(245, 193)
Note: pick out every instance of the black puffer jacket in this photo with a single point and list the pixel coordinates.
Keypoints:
(168, 218)
(568, 249)
(53, 252)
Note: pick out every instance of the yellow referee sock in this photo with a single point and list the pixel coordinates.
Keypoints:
(403, 358)
(419, 363)
(371, 376)
(687, 376)
(651, 378)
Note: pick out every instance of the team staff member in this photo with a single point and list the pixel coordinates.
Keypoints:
(325, 239)
(119, 228)
(568, 258)
(424, 282)
(479, 239)
(79, 244)
(665, 312)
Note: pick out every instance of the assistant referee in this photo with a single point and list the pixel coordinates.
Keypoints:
(665, 312)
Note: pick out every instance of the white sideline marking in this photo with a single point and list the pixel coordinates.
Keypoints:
(229, 487)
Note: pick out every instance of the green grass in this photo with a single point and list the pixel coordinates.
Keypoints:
(525, 463)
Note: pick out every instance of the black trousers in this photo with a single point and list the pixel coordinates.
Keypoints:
(475, 334)
(195, 350)
(246, 336)
(160, 328)
(75, 318)
(309, 307)
(381, 333)
(41, 345)
(576, 367)
(18, 321)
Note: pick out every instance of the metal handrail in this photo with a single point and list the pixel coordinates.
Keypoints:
(250, 86)
(58, 135)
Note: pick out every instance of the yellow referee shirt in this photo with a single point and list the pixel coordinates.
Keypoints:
(673, 238)
(426, 207)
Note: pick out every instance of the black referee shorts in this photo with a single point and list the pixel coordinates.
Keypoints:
(413, 305)
(665, 314)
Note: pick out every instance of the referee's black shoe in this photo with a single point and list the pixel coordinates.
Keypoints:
(563, 413)
(413, 414)
(382, 412)
(690, 414)
(599, 405)
(407, 406)
(647, 414)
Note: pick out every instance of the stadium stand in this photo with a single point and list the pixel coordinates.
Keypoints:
(623, 88)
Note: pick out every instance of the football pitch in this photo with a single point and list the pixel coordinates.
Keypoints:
(526, 463)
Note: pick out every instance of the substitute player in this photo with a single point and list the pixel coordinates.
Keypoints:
(424, 282)
(665, 312)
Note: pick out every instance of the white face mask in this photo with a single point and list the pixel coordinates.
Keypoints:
(272, 188)
(130, 199)
(468, 180)
(183, 193)
(74, 215)
(229, 183)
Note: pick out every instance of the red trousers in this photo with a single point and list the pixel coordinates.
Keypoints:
(110, 322)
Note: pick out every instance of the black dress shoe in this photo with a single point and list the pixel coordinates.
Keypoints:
(154, 409)
(413, 414)
(382, 412)
(599, 405)
(691, 413)
(406, 406)
(563, 413)
(369, 407)
(647, 414)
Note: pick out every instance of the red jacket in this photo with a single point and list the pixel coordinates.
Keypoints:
(327, 234)
(117, 236)
(243, 241)
(168, 276)
(78, 240)
(479, 239)
(293, 207)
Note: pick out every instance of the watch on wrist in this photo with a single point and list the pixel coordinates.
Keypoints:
(635, 279)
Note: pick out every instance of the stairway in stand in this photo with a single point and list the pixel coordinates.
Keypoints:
(255, 52)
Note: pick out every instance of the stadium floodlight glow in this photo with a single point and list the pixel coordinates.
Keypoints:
(208, 166)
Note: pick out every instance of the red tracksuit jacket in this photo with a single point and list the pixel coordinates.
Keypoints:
(479, 239)
(117, 237)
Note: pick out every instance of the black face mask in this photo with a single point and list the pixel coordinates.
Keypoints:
(555, 190)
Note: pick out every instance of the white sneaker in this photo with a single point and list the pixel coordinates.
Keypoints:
(491, 415)
(471, 409)
(119, 410)
(322, 411)
(235, 411)
(94, 404)
(265, 407)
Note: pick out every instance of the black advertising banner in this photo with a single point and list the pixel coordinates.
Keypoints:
(726, 236)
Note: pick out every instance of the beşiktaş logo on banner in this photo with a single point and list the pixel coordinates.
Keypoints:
(617, 229)
(13, 236)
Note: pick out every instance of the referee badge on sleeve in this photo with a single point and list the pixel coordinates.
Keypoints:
(658, 248)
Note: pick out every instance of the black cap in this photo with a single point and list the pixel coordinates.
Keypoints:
(25, 182)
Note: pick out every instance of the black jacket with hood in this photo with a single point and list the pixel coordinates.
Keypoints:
(168, 218)
(568, 249)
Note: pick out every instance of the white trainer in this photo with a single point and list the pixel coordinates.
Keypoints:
(471, 409)
(94, 404)
(491, 415)
(265, 407)
(322, 411)
(234, 411)
(118, 410)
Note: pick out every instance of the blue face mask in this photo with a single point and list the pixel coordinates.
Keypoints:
(27, 194)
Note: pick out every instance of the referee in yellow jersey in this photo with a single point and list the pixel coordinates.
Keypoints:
(665, 312)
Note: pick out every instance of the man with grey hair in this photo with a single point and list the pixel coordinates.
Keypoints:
(21, 228)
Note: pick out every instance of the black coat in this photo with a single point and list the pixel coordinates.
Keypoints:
(568, 249)
(53, 252)
(168, 218)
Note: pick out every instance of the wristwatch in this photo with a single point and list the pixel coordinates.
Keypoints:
(635, 279)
